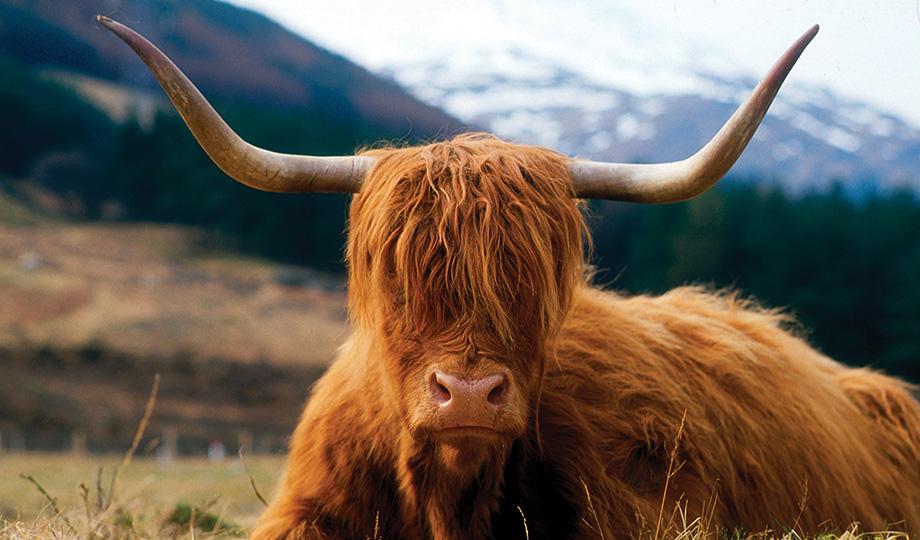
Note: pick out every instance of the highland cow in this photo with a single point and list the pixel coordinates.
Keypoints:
(489, 390)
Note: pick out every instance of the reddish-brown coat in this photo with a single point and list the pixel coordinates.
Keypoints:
(468, 254)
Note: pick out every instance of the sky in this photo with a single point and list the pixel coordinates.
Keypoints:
(867, 49)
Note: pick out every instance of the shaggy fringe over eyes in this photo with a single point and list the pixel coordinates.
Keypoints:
(471, 233)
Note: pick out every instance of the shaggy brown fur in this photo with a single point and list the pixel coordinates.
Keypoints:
(469, 253)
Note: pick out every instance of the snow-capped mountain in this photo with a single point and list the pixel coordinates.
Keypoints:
(651, 80)
(809, 139)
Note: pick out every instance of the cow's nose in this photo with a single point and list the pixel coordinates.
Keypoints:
(468, 402)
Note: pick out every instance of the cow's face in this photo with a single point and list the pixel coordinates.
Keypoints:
(462, 394)
(462, 260)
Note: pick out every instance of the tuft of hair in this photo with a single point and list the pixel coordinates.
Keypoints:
(474, 233)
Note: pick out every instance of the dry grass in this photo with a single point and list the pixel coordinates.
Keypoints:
(220, 504)
(146, 503)
(169, 502)
(679, 525)
(13, 212)
(120, 102)
(150, 291)
(675, 523)
(192, 498)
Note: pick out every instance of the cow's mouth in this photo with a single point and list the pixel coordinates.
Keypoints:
(466, 432)
(465, 449)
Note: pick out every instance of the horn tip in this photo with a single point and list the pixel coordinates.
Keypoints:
(807, 37)
(105, 21)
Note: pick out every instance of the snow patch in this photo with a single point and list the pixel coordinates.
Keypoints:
(600, 141)
(470, 103)
(528, 127)
(788, 150)
(627, 127)
(842, 140)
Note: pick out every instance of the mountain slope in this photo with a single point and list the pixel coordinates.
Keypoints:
(231, 53)
(810, 137)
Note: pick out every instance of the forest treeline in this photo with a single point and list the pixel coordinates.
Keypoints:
(848, 269)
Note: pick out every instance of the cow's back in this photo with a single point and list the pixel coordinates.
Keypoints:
(775, 434)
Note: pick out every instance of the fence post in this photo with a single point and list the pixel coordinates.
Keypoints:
(17, 442)
(168, 451)
(244, 441)
(78, 443)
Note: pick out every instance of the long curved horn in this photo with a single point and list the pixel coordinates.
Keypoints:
(248, 164)
(682, 180)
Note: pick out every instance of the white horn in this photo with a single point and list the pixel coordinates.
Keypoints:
(682, 180)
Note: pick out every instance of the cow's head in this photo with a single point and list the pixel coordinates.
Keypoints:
(463, 255)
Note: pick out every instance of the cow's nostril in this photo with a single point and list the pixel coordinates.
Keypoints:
(492, 389)
(497, 395)
(469, 401)
(440, 392)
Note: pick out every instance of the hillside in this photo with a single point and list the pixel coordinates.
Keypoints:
(96, 131)
(811, 137)
(231, 53)
(160, 292)
(91, 312)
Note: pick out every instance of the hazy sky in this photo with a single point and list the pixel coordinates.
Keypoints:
(867, 49)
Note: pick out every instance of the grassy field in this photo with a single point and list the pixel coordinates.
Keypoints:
(151, 500)
(157, 501)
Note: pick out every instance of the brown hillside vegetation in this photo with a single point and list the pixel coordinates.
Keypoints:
(143, 290)
(89, 313)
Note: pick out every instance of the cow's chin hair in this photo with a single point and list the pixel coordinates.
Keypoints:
(466, 457)
(462, 456)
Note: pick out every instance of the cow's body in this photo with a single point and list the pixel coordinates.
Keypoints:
(775, 434)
